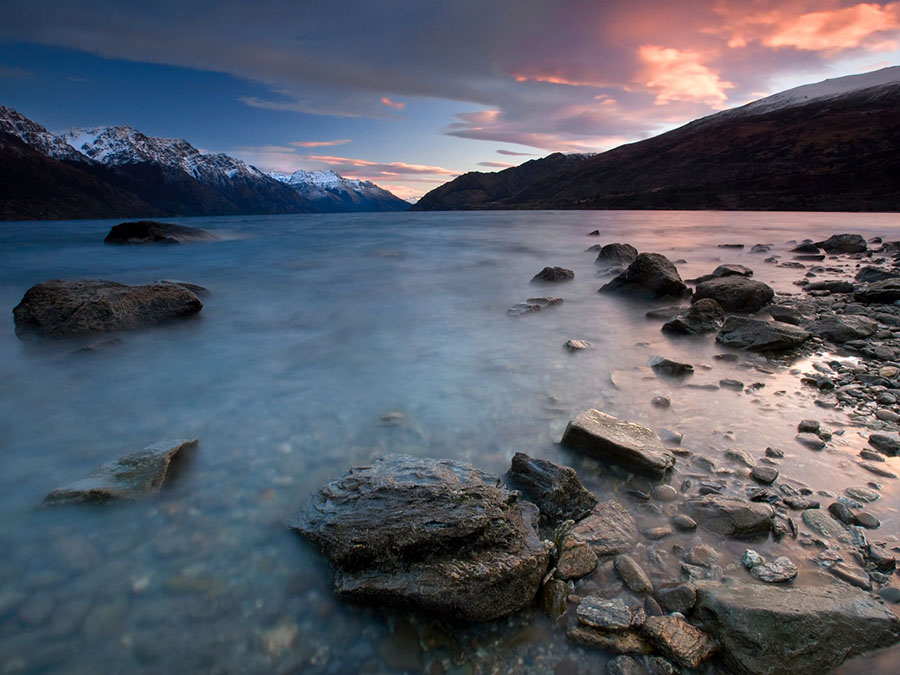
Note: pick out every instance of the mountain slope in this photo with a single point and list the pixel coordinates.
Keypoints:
(328, 192)
(831, 146)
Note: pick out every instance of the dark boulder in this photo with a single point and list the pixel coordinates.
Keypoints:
(730, 517)
(729, 270)
(844, 243)
(805, 248)
(651, 276)
(438, 535)
(882, 292)
(832, 286)
(616, 254)
(704, 316)
(736, 294)
(555, 489)
(870, 273)
(760, 336)
(552, 274)
(64, 309)
(151, 232)
(841, 329)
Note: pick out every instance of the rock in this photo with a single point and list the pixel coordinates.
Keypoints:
(678, 597)
(656, 533)
(730, 517)
(751, 559)
(775, 453)
(609, 529)
(841, 329)
(632, 574)
(652, 276)
(668, 367)
(553, 598)
(533, 305)
(809, 427)
(616, 254)
(832, 286)
(811, 441)
(577, 345)
(866, 520)
(844, 243)
(625, 665)
(854, 577)
(617, 643)
(661, 401)
(678, 640)
(665, 493)
(553, 274)
(631, 445)
(807, 247)
(764, 474)
(877, 470)
(824, 525)
(611, 615)
(881, 559)
(786, 315)
(735, 293)
(704, 316)
(438, 535)
(148, 231)
(862, 494)
(723, 271)
(594, 233)
(741, 457)
(767, 630)
(684, 523)
(576, 558)
(880, 292)
(760, 336)
(840, 512)
(869, 274)
(135, 475)
(734, 385)
(66, 309)
(886, 444)
(555, 489)
(780, 570)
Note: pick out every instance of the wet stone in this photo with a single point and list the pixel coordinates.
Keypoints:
(862, 494)
(556, 490)
(633, 574)
(677, 598)
(841, 512)
(825, 526)
(553, 598)
(741, 457)
(866, 520)
(611, 615)
(608, 529)
(684, 523)
(811, 441)
(665, 493)
(625, 665)
(730, 517)
(853, 576)
(877, 470)
(764, 474)
(577, 345)
(678, 640)
(553, 274)
(576, 558)
(661, 401)
(778, 571)
(615, 642)
(669, 367)
(751, 559)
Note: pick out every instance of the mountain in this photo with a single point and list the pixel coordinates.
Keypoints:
(328, 191)
(108, 172)
(831, 146)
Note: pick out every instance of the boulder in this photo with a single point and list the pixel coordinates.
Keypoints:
(66, 309)
(771, 630)
(704, 316)
(787, 315)
(843, 328)
(616, 254)
(760, 336)
(133, 476)
(870, 273)
(611, 615)
(555, 489)
(151, 232)
(634, 576)
(844, 243)
(736, 293)
(879, 292)
(625, 443)
(438, 535)
(664, 366)
(723, 271)
(832, 286)
(609, 529)
(551, 274)
(678, 640)
(730, 517)
(576, 558)
(650, 276)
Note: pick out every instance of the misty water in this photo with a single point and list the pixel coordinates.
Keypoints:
(314, 328)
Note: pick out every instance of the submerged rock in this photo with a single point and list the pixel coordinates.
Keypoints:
(844, 243)
(652, 276)
(704, 316)
(439, 535)
(678, 640)
(736, 293)
(760, 336)
(65, 309)
(533, 305)
(730, 517)
(631, 445)
(555, 489)
(607, 530)
(612, 615)
(626, 642)
(766, 630)
(135, 475)
(632, 574)
(151, 232)
(666, 366)
(551, 274)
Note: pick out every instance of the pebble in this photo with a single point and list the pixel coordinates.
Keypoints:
(632, 574)
(808, 427)
(764, 474)
(877, 470)
(774, 453)
(734, 385)
(577, 345)
(661, 401)
(811, 441)
(612, 615)
(665, 493)
(854, 577)
(841, 512)
(678, 598)
(866, 520)
(751, 559)
(656, 533)
(862, 494)
(741, 457)
(684, 522)
(778, 571)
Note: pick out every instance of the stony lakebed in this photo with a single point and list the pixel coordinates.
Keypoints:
(491, 466)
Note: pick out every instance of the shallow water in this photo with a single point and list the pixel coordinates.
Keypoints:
(314, 328)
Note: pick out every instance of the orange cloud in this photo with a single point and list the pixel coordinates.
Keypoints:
(678, 75)
(496, 165)
(396, 105)
(383, 168)
(559, 79)
(319, 144)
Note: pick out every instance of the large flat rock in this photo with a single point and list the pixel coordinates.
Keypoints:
(766, 630)
(760, 336)
(438, 535)
(609, 529)
(152, 232)
(630, 445)
(730, 517)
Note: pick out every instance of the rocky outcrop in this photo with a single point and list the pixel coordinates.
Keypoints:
(552, 274)
(616, 254)
(438, 535)
(625, 443)
(650, 276)
(555, 489)
(760, 336)
(841, 329)
(704, 316)
(730, 517)
(65, 309)
(736, 293)
(844, 243)
(764, 630)
(149, 231)
(532, 305)
(880, 292)
(135, 475)
(729, 270)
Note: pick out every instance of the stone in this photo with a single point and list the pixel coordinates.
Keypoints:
(889, 445)
(862, 494)
(666, 366)
(809, 427)
(760, 336)
(841, 329)
(617, 643)
(806, 247)
(611, 615)
(729, 270)
(661, 401)
(616, 254)
(775, 453)
(609, 529)
(881, 559)
(577, 345)
(764, 474)
(650, 276)
(554, 489)
(656, 533)
(553, 598)
(730, 517)
(811, 441)
(133, 476)
(67, 309)
(664, 493)
(877, 470)
(736, 293)
(677, 597)
(882, 292)
(751, 559)
(870, 273)
(532, 305)
(149, 231)
(769, 630)
(779, 571)
(866, 520)
(679, 641)
(734, 385)
(437, 535)
(624, 665)
(684, 523)
(853, 576)
(832, 286)
(786, 315)
(824, 525)
(844, 243)
(704, 316)
(576, 558)
(841, 513)
(625, 443)
(741, 457)
(553, 274)
(632, 574)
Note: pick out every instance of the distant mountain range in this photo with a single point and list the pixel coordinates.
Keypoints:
(831, 146)
(109, 172)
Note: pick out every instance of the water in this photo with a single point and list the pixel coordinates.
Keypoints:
(315, 327)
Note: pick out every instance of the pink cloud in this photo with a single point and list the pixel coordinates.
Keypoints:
(496, 165)
(678, 75)
(319, 144)
(396, 105)
(511, 153)
(382, 168)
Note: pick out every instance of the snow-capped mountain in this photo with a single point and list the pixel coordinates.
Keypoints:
(36, 136)
(328, 188)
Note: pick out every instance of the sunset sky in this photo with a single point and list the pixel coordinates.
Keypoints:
(410, 93)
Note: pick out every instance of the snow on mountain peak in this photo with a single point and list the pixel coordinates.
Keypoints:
(33, 134)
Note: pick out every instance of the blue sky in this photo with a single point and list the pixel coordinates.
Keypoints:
(409, 93)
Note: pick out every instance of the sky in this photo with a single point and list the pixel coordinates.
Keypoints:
(411, 93)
